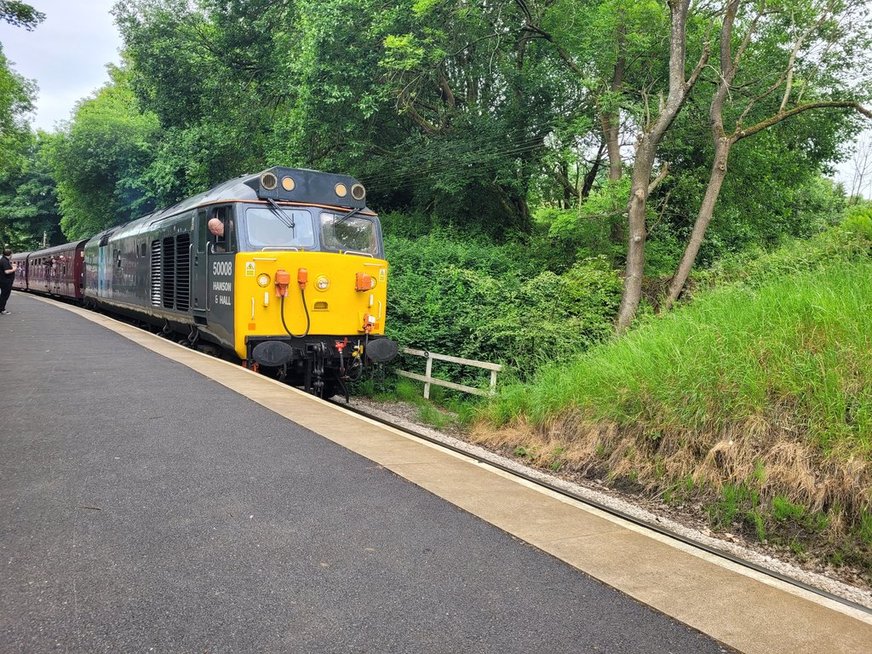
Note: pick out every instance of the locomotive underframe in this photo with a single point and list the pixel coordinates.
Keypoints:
(323, 365)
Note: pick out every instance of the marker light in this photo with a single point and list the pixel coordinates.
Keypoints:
(364, 282)
(341, 190)
(288, 183)
(268, 181)
(322, 283)
(263, 280)
(358, 192)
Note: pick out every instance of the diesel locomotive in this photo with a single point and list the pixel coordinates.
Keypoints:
(284, 270)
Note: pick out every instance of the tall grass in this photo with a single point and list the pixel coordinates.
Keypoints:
(797, 351)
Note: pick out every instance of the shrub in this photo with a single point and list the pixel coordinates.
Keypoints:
(473, 299)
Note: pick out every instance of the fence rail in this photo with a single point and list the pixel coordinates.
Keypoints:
(428, 378)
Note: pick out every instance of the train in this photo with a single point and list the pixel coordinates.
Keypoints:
(283, 270)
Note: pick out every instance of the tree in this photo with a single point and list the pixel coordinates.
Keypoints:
(20, 14)
(16, 102)
(862, 171)
(29, 212)
(204, 73)
(100, 160)
(645, 154)
(839, 28)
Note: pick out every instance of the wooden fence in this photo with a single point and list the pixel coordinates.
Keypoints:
(428, 378)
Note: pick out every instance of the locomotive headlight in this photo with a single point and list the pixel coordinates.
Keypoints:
(268, 181)
(263, 280)
(322, 283)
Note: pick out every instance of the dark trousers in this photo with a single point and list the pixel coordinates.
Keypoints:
(5, 292)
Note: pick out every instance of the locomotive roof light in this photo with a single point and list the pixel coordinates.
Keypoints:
(268, 180)
(307, 186)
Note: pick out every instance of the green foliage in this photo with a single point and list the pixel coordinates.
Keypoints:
(586, 231)
(799, 339)
(29, 211)
(471, 299)
(16, 101)
(783, 510)
(858, 220)
(20, 14)
(738, 504)
(754, 267)
(100, 159)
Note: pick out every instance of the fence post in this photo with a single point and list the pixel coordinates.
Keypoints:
(429, 376)
(493, 383)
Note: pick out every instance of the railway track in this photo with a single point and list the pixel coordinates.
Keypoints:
(841, 595)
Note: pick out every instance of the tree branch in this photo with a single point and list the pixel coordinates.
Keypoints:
(783, 115)
(664, 170)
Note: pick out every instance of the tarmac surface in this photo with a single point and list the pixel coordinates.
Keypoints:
(155, 499)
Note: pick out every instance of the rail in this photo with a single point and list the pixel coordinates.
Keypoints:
(428, 378)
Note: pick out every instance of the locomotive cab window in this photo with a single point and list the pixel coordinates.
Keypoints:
(276, 228)
(221, 230)
(348, 233)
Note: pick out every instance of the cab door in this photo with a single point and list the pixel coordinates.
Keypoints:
(200, 304)
(220, 246)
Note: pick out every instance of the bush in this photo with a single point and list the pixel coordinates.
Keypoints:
(473, 299)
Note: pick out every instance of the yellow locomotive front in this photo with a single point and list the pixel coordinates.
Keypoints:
(301, 270)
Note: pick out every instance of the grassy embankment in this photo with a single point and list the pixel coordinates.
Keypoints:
(754, 400)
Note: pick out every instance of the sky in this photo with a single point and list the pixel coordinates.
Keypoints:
(66, 55)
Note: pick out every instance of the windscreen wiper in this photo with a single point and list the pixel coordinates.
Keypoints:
(287, 220)
(348, 215)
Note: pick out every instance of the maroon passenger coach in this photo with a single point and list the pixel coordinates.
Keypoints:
(56, 271)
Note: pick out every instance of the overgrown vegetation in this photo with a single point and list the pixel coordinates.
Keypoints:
(755, 398)
(471, 298)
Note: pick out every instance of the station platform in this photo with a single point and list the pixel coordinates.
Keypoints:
(156, 499)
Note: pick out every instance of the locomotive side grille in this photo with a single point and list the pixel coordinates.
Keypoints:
(169, 273)
(183, 272)
(155, 273)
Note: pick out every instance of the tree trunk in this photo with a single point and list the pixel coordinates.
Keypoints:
(590, 176)
(611, 123)
(646, 151)
(635, 266)
(703, 218)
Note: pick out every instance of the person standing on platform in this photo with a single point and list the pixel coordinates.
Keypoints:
(7, 276)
